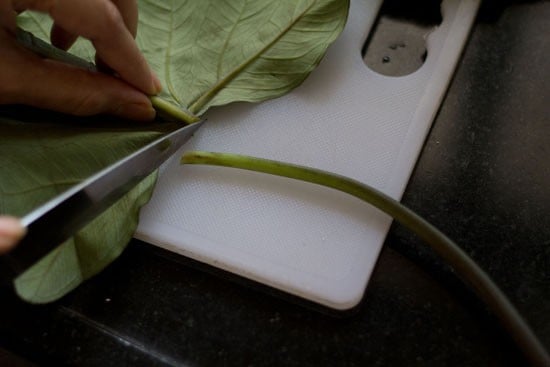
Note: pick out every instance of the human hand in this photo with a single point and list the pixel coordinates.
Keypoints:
(110, 25)
(11, 232)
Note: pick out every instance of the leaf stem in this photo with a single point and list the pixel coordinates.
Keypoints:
(166, 108)
(464, 266)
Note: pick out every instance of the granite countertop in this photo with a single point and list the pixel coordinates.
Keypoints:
(483, 178)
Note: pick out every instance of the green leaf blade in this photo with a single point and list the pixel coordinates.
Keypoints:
(214, 52)
(269, 52)
(88, 252)
(39, 160)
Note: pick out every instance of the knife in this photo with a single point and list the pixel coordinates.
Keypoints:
(63, 216)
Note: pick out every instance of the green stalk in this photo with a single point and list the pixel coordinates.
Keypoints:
(44, 49)
(164, 107)
(464, 266)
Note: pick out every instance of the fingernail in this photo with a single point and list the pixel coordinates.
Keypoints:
(136, 111)
(157, 84)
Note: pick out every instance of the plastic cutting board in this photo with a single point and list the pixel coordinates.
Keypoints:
(306, 240)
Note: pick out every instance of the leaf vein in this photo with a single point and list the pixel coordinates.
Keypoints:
(210, 93)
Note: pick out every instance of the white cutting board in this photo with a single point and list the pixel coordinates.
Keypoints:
(309, 241)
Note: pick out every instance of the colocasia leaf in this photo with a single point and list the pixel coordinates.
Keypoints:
(214, 52)
(247, 50)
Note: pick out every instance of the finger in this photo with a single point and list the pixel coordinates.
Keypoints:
(11, 231)
(53, 85)
(102, 23)
(7, 16)
(39, 5)
(61, 38)
(128, 10)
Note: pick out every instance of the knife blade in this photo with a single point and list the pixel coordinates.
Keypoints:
(63, 216)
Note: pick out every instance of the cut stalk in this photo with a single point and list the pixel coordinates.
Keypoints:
(464, 266)
(172, 111)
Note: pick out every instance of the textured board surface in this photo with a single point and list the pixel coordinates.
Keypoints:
(309, 241)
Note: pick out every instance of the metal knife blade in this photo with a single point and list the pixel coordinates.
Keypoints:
(63, 216)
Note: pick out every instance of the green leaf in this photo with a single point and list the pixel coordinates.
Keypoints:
(214, 52)
(247, 50)
(207, 53)
(86, 254)
(41, 157)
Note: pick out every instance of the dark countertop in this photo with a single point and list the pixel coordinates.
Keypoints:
(483, 179)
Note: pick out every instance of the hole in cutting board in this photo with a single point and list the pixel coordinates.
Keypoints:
(397, 44)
